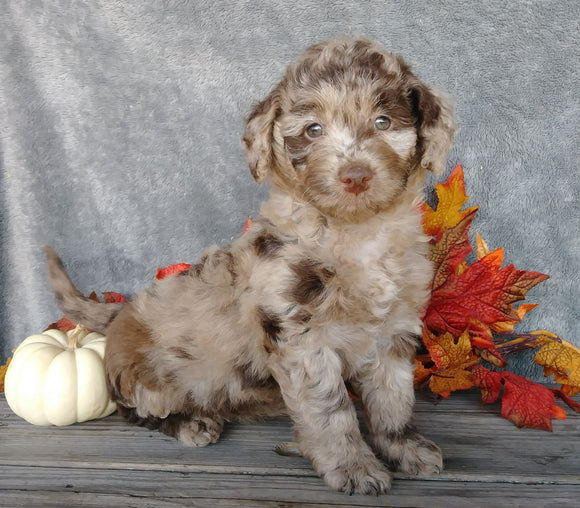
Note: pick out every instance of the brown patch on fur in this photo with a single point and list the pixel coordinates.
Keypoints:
(296, 146)
(426, 109)
(197, 268)
(311, 278)
(181, 353)
(271, 325)
(267, 245)
(302, 316)
(129, 343)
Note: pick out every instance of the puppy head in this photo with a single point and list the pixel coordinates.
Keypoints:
(346, 127)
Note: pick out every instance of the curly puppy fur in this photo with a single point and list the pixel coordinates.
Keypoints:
(327, 285)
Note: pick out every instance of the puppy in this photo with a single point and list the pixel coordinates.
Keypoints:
(326, 287)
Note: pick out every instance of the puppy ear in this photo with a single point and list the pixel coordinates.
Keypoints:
(258, 136)
(434, 116)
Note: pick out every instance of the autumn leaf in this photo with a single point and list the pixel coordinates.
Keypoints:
(562, 360)
(112, 297)
(482, 248)
(421, 374)
(450, 251)
(450, 380)
(470, 313)
(64, 325)
(525, 403)
(559, 358)
(484, 292)
(162, 273)
(451, 197)
(3, 369)
(452, 358)
(572, 404)
(446, 351)
(508, 326)
(247, 225)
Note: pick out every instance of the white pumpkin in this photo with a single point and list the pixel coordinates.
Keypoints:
(57, 378)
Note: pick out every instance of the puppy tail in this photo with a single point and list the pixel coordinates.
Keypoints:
(93, 315)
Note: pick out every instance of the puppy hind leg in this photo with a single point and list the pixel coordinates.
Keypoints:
(325, 420)
(193, 430)
(190, 430)
(388, 397)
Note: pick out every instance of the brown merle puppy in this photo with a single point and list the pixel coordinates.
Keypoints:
(327, 286)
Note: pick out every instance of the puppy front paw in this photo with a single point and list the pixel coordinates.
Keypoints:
(420, 456)
(362, 476)
(409, 452)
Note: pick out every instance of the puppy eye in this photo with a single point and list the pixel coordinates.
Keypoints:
(314, 131)
(382, 123)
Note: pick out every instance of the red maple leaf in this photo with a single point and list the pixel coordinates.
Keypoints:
(484, 292)
(525, 403)
(112, 297)
(64, 325)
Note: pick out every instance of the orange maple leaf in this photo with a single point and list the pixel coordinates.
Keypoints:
(451, 197)
(421, 373)
(174, 269)
(247, 225)
(452, 358)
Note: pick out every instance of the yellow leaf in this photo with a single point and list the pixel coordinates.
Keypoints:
(3, 369)
(447, 381)
(451, 197)
(482, 248)
(421, 373)
(561, 359)
(448, 352)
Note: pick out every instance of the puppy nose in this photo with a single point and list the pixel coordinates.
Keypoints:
(355, 179)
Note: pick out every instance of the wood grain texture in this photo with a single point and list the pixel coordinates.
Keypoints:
(488, 462)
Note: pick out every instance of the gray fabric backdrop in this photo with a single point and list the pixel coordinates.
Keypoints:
(120, 127)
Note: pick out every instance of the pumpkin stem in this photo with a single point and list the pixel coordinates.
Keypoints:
(74, 336)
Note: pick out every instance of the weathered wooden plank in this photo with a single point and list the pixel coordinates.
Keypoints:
(108, 463)
(142, 488)
(482, 447)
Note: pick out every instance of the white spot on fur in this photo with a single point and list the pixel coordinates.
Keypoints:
(402, 141)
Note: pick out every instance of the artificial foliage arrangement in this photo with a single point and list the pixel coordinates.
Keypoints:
(469, 321)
